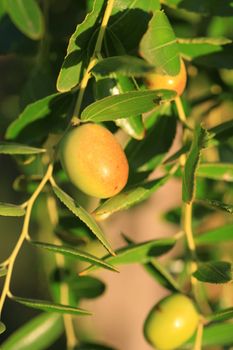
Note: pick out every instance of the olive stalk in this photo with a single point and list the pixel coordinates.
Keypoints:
(93, 61)
(23, 235)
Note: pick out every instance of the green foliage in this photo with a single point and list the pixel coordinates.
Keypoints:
(66, 63)
(39, 333)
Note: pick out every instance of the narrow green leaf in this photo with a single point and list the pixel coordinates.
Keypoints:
(205, 7)
(15, 148)
(218, 205)
(74, 63)
(214, 272)
(222, 132)
(37, 334)
(139, 253)
(162, 276)
(104, 87)
(93, 346)
(218, 235)
(50, 307)
(128, 198)
(33, 112)
(74, 253)
(200, 139)
(120, 106)
(3, 271)
(27, 17)
(221, 315)
(158, 45)
(83, 215)
(193, 48)
(7, 209)
(2, 327)
(87, 287)
(124, 65)
(216, 171)
(215, 335)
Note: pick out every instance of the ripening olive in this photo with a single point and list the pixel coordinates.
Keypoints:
(171, 322)
(156, 81)
(94, 160)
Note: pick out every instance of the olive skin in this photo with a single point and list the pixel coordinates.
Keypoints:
(94, 161)
(171, 322)
(156, 81)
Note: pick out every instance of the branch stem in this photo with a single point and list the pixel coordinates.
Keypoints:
(22, 237)
(93, 60)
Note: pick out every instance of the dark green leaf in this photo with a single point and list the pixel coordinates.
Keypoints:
(2, 327)
(124, 65)
(218, 205)
(128, 198)
(150, 152)
(86, 287)
(74, 63)
(27, 17)
(129, 21)
(3, 271)
(218, 235)
(15, 148)
(52, 109)
(83, 215)
(214, 272)
(74, 253)
(221, 315)
(37, 334)
(139, 253)
(223, 131)
(158, 45)
(200, 140)
(162, 276)
(120, 106)
(50, 307)
(216, 335)
(7, 209)
(216, 171)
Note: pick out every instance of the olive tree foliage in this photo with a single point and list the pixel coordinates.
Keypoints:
(86, 61)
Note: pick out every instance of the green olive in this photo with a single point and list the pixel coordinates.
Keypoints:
(171, 322)
(156, 81)
(94, 161)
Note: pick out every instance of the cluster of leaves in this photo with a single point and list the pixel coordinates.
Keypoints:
(138, 39)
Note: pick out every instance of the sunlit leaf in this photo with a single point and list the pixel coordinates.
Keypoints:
(200, 140)
(128, 198)
(15, 148)
(158, 45)
(216, 171)
(75, 60)
(215, 236)
(83, 215)
(139, 253)
(3, 271)
(120, 106)
(2, 327)
(37, 334)
(74, 253)
(7, 209)
(27, 17)
(50, 307)
(221, 315)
